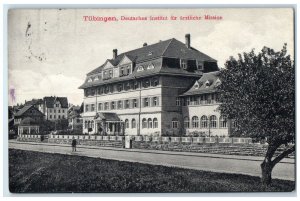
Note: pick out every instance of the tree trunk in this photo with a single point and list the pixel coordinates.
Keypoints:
(266, 168)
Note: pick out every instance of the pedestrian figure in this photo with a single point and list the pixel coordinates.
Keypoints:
(74, 144)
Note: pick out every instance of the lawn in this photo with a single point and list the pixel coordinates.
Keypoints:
(35, 172)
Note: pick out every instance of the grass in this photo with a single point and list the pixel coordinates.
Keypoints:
(35, 172)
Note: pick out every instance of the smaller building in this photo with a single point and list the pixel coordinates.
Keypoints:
(200, 108)
(28, 126)
(28, 111)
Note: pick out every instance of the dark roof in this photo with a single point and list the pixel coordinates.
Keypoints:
(108, 116)
(171, 48)
(210, 78)
(50, 100)
(23, 110)
(28, 122)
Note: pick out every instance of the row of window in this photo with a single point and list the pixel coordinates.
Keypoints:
(58, 116)
(184, 64)
(146, 123)
(197, 100)
(205, 122)
(130, 85)
(54, 111)
(123, 104)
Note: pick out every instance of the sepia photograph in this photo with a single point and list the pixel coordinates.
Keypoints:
(148, 100)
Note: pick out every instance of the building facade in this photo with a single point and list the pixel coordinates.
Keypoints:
(141, 92)
(54, 108)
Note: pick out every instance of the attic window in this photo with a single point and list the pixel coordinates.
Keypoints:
(150, 66)
(150, 53)
(207, 83)
(199, 65)
(90, 79)
(196, 85)
(96, 78)
(140, 68)
(218, 82)
(183, 64)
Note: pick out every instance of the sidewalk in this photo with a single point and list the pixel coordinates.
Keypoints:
(194, 154)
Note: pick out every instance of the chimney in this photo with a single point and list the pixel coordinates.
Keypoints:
(145, 44)
(188, 40)
(115, 53)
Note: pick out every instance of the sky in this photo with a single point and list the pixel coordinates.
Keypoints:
(51, 50)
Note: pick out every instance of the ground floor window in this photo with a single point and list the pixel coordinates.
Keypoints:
(186, 123)
(133, 123)
(144, 123)
(149, 123)
(155, 123)
(175, 123)
(204, 120)
(126, 123)
(195, 122)
(223, 122)
(213, 121)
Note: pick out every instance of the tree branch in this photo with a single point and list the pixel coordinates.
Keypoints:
(283, 154)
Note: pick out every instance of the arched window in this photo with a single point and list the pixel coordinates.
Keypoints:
(144, 123)
(155, 123)
(175, 123)
(133, 123)
(223, 122)
(126, 123)
(204, 121)
(195, 122)
(149, 123)
(213, 121)
(186, 122)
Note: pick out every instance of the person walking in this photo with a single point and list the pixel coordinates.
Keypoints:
(74, 142)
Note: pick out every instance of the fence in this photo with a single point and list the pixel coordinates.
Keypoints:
(158, 139)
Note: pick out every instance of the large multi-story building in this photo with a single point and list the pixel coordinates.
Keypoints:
(147, 91)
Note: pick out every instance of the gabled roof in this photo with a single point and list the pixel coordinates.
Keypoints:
(203, 88)
(50, 100)
(25, 109)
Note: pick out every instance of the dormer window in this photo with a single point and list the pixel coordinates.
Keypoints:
(150, 66)
(196, 86)
(140, 68)
(183, 64)
(218, 82)
(96, 78)
(200, 65)
(150, 53)
(90, 79)
(207, 83)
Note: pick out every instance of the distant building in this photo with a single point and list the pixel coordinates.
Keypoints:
(54, 108)
(28, 111)
(149, 90)
(74, 118)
